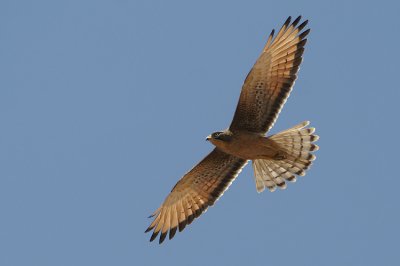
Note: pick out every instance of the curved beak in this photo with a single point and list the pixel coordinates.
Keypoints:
(208, 138)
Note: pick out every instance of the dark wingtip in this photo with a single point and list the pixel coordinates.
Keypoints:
(162, 237)
(153, 236)
(182, 225)
(296, 21)
(272, 33)
(301, 44)
(148, 229)
(304, 34)
(172, 232)
(197, 213)
(190, 219)
(302, 25)
(287, 21)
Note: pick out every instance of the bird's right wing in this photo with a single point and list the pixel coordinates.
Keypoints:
(195, 192)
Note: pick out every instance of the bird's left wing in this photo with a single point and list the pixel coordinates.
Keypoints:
(271, 79)
(195, 192)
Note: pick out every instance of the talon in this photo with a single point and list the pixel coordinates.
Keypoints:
(279, 156)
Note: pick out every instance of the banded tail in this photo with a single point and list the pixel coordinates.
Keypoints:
(295, 146)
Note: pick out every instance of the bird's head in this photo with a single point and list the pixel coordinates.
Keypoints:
(219, 136)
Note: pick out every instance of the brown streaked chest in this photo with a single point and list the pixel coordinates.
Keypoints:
(247, 145)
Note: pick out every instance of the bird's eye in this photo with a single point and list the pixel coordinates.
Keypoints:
(216, 135)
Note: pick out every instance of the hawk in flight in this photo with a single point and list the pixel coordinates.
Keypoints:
(275, 159)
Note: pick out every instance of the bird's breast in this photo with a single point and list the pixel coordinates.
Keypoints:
(248, 146)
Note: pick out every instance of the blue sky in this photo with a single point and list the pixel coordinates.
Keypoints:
(104, 105)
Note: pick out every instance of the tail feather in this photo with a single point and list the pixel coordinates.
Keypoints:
(262, 168)
(296, 146)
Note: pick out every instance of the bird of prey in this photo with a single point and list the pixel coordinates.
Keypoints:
(275, 159)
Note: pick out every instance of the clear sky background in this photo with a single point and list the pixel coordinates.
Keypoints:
(104, 105)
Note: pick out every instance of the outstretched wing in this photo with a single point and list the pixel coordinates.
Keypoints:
(195, 192)
(271, 79)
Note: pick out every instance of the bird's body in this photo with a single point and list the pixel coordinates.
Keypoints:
(247, 145)
(276, 159)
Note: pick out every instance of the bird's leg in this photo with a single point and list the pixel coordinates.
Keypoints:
(279, 155)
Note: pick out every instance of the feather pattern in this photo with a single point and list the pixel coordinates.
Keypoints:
(296, 145)
(268, 84)
(194, 193)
